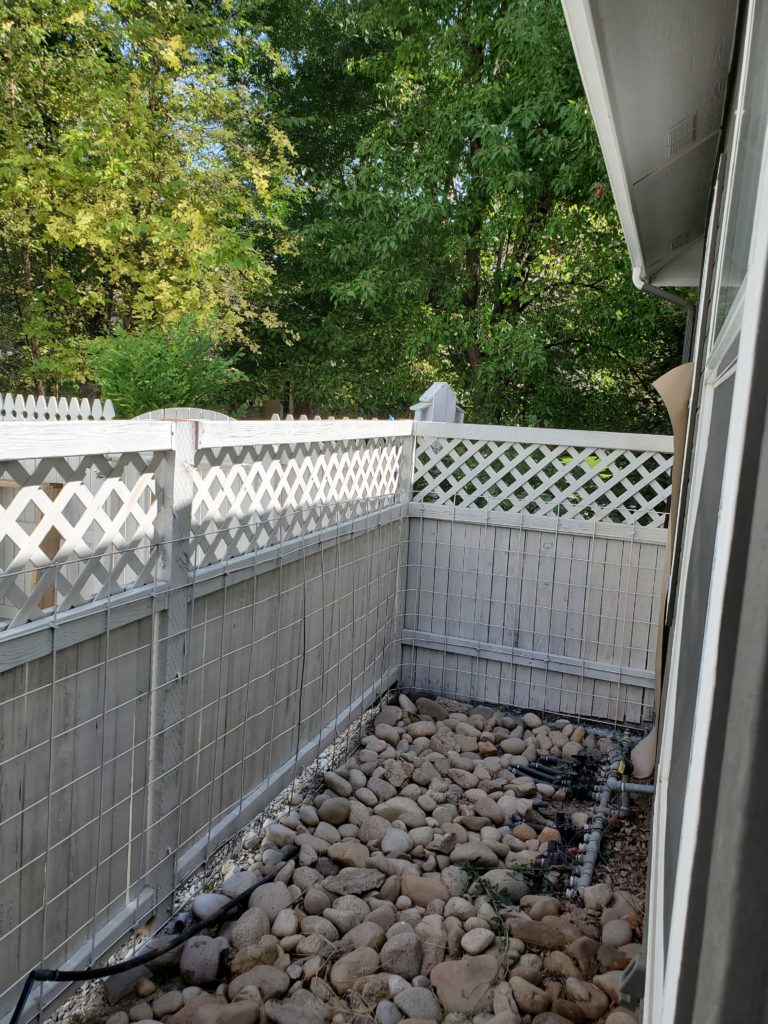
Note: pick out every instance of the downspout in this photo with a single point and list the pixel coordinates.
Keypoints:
(639, 281)
(675, 390)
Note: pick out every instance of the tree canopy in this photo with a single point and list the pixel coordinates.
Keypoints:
(361, 195)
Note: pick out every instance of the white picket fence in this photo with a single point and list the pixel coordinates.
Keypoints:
(16, 408)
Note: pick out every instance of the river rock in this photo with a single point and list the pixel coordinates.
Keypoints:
(335, 810)
(387, 1013)
(319, 926)
(431, 708)
(508, 883)
(189, 1013)
(350, 853)
(369, 933)
(609, 982)
(455, 879)
(477, 940)
(474, 853)
(200, 960)
(424, 888)
(549, 933)
(301, 1008)
(208, 903)
(286, 923)
(617, 932)
(269, 981)
(339, 785)
(402, 954)
(418, 1002)
(351, 881)
(266, 951)
(584, 952)
(610, 958)
(373, 830)
(238, 882)
(271, 898)
(402, 808)
(316, 901)
(396, 843)
(529, 998)
(251, 926)
(353, 966)
(597, 896)
(487, 808)
(550, 1017)
(167, 1003)
(557, 963)
(539, 907)
(464, 986)
(388, 733)
(583, 1001)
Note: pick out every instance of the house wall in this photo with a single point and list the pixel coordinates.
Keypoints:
(707, 886)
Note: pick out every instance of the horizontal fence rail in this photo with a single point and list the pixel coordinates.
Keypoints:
(190, 611)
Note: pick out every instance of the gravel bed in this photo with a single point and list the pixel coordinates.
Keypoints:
(428, 887)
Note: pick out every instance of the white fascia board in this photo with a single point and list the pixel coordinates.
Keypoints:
(581, 25)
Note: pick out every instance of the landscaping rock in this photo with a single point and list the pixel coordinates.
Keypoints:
(418, 1002)
(301, 1008)
(201, 958)
(335, 810)
(464, 986)
(354, 880)
(250, 927)
(617, 932)
(477, 940)
(271, 897)
(269, 981)
(402, 954)
(353, 966)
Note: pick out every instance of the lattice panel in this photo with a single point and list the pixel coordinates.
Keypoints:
(253, 497)
(74, 529)
(609, 484)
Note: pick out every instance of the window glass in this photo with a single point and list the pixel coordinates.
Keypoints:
(749, 120)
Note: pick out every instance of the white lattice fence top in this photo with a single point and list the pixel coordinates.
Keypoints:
(74, 529)
(526, 474)
(37, 407)
(252, 497)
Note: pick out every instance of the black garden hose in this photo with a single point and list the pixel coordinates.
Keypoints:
(93, 973)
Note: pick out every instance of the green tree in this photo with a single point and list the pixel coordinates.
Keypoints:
(464, 231)
(164, 367)
(128, 193)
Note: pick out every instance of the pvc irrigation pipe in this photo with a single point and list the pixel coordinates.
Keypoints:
(620, 786)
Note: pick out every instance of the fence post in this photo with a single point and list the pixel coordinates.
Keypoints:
(438, 404)
(407, 466)
(175, 490)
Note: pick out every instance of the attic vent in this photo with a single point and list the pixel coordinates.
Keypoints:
(681, 135)
(679, 240)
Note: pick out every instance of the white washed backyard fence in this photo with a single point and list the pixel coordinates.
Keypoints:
(191, 611)
(18, 408)
(535, 568)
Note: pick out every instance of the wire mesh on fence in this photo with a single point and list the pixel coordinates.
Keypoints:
(192, 619)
